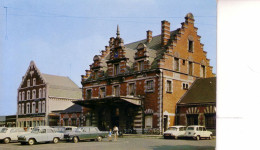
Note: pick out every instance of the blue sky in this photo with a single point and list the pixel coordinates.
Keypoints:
(62, 36)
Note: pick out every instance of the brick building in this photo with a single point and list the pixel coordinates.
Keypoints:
(71, 116)
(198, 104)
(137, 85)
(40, 96)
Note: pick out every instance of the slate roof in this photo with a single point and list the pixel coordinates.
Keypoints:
(202, 91)
(61, 86)
(73, 109)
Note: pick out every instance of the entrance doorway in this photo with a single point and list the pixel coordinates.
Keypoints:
(165, 122)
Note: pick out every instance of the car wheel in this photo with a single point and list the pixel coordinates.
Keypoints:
(55, 140)
(210, 137)
(197, 137)
(75, 139)
(31, 141)
(6, 140)
(99, 139)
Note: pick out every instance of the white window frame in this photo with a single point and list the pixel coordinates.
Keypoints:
(40, 93)
(166, 86)
(28, 95)
(20, 96)
(99, 92)
(43, 92)
(43, 107)
(174, 64)
(192, 49)
(146, 85)
(19, 109)
(140, 64)
(128, 88)
(22, 108)
(34, 81)
(33, 107)
(39, 107)
(27, 108)
(28, 83)
(148, 121)
(23, 95)
(113, 89)
(186, 87)
(34, 94)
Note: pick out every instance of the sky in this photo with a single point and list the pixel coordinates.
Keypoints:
(63, 36)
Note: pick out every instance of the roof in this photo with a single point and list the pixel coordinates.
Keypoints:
(203, 90)
(61, 86)
(73, 109)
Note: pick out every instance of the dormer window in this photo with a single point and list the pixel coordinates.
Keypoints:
(190, 46)
(116, 69)
(140, 65)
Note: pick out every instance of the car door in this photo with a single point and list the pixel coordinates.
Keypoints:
(42, 137)
(93, 133)
(13, 135)
(50, 134)
(181, 131)
(20, 131)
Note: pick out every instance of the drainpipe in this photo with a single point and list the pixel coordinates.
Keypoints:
(161, 102)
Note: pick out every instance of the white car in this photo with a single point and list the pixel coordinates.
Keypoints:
(198, 132)
(174, 132)
(10, 134)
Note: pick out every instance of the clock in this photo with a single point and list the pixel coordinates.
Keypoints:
(116, 54)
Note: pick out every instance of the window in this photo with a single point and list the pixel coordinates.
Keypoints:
(149, 121)
(43, 106)
(20, 96)
(27, 108)
(116, 69)
(210, 121)
(185, 86)
(28, 95)
(140, 65)
(33, 107)
(43, 92)
(23, 95)
(183, 62)
(131, 89)
(192, 119)
(39, 107)
(102, 92)
(203, 71)
(150, 85)
(34, 81)
(89, 94)
(190, 46)
(176, 64)
(34, 94)
(49, 131)
(116, 91)
(40, 93)
(28, 82)
(169, 86)
(19, 109)
(22, 108)
(190, 68)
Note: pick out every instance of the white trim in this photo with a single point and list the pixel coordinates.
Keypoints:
(166, 86)
(127, 88)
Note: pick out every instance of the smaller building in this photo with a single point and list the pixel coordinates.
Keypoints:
(198, 105)
(2, 121)
(10, 121)
(71, 116)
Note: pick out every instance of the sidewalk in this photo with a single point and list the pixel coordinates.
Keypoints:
(142, 136)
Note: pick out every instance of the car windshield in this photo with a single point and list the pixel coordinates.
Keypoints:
(190, 128)
(173, 128)
(35, 131)
(3, 130)
(68, 129)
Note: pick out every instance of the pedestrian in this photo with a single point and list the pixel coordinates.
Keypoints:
(110, 135)
(115, 129)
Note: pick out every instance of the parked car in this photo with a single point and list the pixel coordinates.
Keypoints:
(174, 132)
(64, 129)
(10, 134)
(198, 132)
(86, 133)
(40, 134)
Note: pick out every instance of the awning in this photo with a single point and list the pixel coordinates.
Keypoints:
(122, 100)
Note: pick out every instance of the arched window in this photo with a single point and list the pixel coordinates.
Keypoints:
(28, 95)
(39, 107)
(22, 108)
(40, 93)
(20, 96)
(28, 108)
(33, 107)
(34, 81)
(28, 82)
(23, 96)
(19, 109)
(43, 106)
(43, 92)
(34, 94)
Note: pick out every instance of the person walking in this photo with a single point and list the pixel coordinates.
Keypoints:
(110, 135)
(115, 129)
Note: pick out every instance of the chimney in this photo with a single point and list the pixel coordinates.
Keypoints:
(149, 36)
(165, 32)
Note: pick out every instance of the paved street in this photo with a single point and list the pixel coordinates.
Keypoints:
(129, 143)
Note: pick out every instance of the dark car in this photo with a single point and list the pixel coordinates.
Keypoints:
(85, 133)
